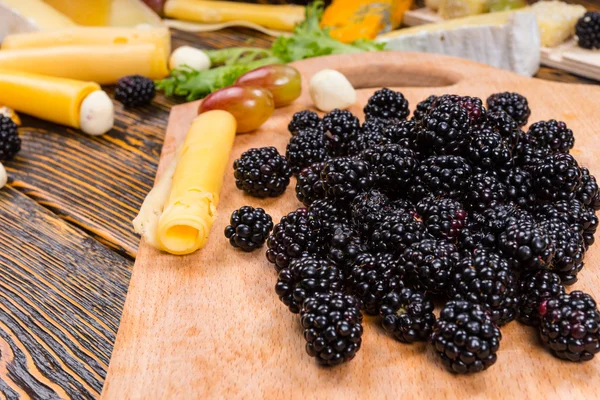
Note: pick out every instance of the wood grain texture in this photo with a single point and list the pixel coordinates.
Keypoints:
(209, 325)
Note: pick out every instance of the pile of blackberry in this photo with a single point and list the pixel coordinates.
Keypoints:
(457, 205)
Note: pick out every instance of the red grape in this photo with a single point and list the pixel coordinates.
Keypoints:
(283, 81)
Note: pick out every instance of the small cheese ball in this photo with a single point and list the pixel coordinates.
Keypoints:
(330, 89)
(189, 56)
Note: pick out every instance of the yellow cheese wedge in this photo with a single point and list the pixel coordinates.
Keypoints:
(29, 15)
(132, 13)
(159, 36)
(191, 207)
(102, 64)
(84, 12)
(279, 17)
(56, 100)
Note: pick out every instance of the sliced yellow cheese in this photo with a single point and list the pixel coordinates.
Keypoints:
(104, 64)
(191, 207)
(52, 99)
(132, 13)
(84, 12)
(279, 17)
(29, 15)
(159, 36)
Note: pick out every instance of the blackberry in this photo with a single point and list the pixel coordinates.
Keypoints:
(587, 30)
(558, 177)
(445, 129)
(345, 244)
(429, 265)
(332, 326)
(249, 228)
(519, 188)
(296, 235)
(403, 133)
(135, 90)
(568, 259)
(304, 120)
(448, 176)
(10, 143)
(396, 231)
(341, 128)
(526, 246)
(344, 178)
(473, 105)
(373, 276)
(369, 208)
(573, 212)
(535, 289)
(328, 212)
(305, 277)
(408, 315)
(444, 218)
(588, 193)
(485, 192)
(423, 108)
(552, 133)
(485, 278)
(305, 149)
(465, 337)
(513, 104)
(262, 172)
(387, 104)
(530, 154)
(393, 167)
(500, 122)
(372, 133)
(569, 326)
(488, 151)
(309, 186)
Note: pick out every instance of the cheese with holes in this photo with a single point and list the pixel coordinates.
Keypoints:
(159, 36)
(104, 64)
(508, 40)
(84, 12)
(556, 20)
(29, 15)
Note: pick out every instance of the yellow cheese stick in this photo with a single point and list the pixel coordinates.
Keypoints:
(279, 17)
(158, 36)
(77, 104)
(192, 204)
(103, 64)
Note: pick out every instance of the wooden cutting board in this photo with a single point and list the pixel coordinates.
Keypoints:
(209, 325)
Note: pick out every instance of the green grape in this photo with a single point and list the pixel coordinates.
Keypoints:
(283, 81)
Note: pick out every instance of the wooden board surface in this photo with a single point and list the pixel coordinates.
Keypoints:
(567, 56)
(209, 325)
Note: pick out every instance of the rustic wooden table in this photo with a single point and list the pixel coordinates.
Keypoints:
(66, 242)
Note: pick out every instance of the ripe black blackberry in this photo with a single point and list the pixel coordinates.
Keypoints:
(408, 315)
(396, 231)
(500, 122)
(570, 326)
(579, 217)
(568, 259)
(10, 143)
(534, 289)
(465, 337)
(587, 30)
(589, 193)
(444, 218)
(297, 234)
(487, 151)
(305, 149)
(423, 107)
(403, 133)
(552, 133)
(445, 129)
(341, 129)
(249, 228)
(387, 104)
(309, 186)
(558, 177)
(393, 167)
(328, 212)
(473, 105)
(369, 208)
(373, 276)
(429, 264)
(485, 278)
(305, 277)
(344, 178)
(526, 246)
(135, 90)
(372, 133)
(332, 327)
(303, 120)
(345, 244)
(485, 191)
(262, 172)
(528, 154)
(513, 104)
(519, 188)
(448, 176)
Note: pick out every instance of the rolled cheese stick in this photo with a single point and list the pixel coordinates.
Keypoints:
(158, 36)
(77, 104)
(103, 64)
(195, 189)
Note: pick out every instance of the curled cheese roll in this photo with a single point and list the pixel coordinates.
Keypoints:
(104, 64)
(77, 104)
(191, 207)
